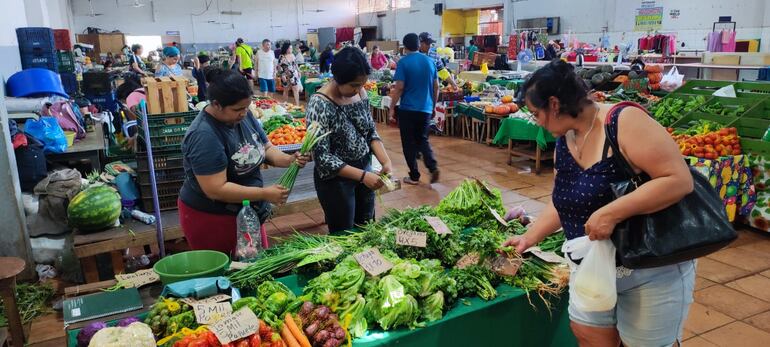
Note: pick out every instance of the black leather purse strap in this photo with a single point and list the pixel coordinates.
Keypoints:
(610, 141)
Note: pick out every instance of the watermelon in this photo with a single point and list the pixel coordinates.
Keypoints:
(94, 208)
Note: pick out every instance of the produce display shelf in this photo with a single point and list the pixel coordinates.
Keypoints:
(701, 87)
(751, 128)
(754, 146)
(761, 110)
(731, 104)
(696, 115)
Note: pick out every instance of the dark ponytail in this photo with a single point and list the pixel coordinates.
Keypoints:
(558, 79)
(227, 87)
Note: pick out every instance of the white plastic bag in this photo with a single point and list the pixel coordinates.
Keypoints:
(672, 80)
(594, 288)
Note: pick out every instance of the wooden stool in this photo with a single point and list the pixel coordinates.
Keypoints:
(9, 268)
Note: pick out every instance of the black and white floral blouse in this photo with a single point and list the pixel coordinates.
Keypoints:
(352, 131)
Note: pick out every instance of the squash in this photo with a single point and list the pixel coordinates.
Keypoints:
(654, 86)
(506, 99)
(655, 77)
(502, 109)
(489, 109)
(653, 68)
(622, 79)
(513, 107)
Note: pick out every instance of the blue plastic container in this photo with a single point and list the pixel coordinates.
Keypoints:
(47, 60)
(70, 83)
(35, 39)
(35, 82)
(105, 101)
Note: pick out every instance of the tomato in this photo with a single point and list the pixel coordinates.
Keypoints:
(709, 141)
(210, 338)
(255, 341)
(243, 343)
(687, 152)
(736, 152)
(199, 343)
(719, 147)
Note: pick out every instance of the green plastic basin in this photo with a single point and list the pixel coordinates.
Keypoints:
(191, 264)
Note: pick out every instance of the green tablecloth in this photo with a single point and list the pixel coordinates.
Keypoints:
(470, 111)
(506, 83)
(522, 130)
(508, 320)
(310, 87)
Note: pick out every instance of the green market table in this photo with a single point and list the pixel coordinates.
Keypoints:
(508, 320)
(311, 85)
(517, 129)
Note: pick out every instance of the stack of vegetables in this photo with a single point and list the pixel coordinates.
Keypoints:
(708, 141)
(655, 75)
(284, 131)
(265, 103)
(670, 110)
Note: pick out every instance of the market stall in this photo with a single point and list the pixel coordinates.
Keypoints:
(378, 286)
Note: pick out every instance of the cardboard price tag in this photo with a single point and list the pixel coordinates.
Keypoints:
(210, 299)
(138, 279)
(506, 266)
(235, 326)
(498, 217)
(411, 238)
(484, 187)
(211, 312)
(468, 260)
(438, 225)
(237, 265)
(373, 262)
(549, 257)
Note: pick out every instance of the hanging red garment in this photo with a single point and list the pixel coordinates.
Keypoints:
(344, 34)
(728, 41)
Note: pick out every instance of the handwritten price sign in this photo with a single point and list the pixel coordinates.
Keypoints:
(211, 312)
(210, 299)
(438, 225)
(138, 279)
(235, 326)
(373, 262)
(411, 238)
(498, 217)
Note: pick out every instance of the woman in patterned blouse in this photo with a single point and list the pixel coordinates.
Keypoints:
(343, 179)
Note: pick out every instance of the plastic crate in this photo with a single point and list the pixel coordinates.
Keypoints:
(753, 146)
(106, 101)
(62, 39)
(35, 39)
(684, 122)
(166, 203)
(752, 89)
(165, 189)
(70, 83)
(162, 175)
(96, 83)
(169, 124)
(66, 61)
(40, 60)
(701, 87)
(169, 159)
(751, 128)
(732, 103)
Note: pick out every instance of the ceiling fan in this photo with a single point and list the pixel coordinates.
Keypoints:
(91, 10)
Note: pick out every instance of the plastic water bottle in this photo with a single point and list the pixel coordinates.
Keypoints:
(249, 241)
(145, 218)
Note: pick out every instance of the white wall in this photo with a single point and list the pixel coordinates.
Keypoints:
(11, 17)
(396, 24)
(274, 19)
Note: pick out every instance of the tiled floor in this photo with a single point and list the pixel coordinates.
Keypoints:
(732, 297)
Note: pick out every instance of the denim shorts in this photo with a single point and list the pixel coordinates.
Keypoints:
(652, 305)
(266, 85)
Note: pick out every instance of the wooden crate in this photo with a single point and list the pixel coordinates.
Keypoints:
(166, 94)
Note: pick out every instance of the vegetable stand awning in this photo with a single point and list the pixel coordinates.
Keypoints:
(521, 130)
(508, 320)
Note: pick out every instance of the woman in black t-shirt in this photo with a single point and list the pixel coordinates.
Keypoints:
(223, 150)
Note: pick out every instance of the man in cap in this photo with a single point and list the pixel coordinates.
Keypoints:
(426, 47)
(417, 88)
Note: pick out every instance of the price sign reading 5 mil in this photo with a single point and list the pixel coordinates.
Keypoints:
(207, 313)
(411, 238)
(373, 262)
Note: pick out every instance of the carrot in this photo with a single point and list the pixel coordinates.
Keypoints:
(288, 337)
(298, 334)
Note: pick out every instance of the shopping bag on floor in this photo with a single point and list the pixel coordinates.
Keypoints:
(594, 288)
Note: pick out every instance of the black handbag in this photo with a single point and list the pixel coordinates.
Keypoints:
(694, 227)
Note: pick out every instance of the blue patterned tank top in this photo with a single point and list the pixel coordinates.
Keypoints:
(578, 193)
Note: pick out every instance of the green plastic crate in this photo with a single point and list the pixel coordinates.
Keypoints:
(760, 111)
(754, 146)
(684, 122)
(701, 87)
(732, 103)
(751, 128)
(752, 89)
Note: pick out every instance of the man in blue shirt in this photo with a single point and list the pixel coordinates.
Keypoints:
(417, 88)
